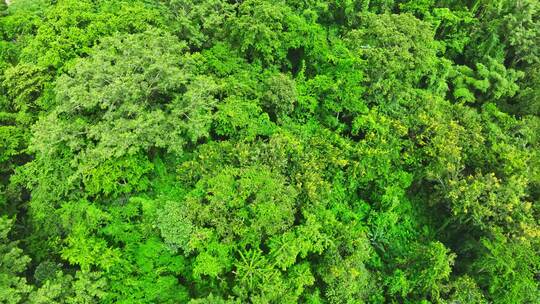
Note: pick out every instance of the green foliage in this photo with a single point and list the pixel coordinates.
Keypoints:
(85, 287)
(508, 269)
(120, 98)
(400, 54)
(13, 262)
(493, 81)
(71, 27)
(264, 30)
(322, 151)
(465, 290)
(201, 23)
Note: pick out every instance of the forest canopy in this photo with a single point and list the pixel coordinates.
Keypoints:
(270, 151)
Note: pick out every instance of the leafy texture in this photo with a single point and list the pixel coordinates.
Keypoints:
(322, 151)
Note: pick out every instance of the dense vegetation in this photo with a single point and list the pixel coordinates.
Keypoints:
(267, 151)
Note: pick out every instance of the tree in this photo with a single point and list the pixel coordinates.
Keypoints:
(321, 151)
(13, 262)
